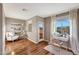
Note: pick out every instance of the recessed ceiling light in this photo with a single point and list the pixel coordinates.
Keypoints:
(24, 9)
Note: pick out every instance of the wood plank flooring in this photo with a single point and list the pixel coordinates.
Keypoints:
(26, 47)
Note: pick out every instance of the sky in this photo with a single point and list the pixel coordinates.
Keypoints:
(62, 22)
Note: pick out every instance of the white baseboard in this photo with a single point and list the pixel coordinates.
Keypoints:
(32, 41)
(75, 52)
(42, 40)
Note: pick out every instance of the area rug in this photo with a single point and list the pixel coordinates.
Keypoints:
(57, 51)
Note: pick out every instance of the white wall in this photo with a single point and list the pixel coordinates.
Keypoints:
(53, 18)
(3, 52)
(33, 36)
(1, 19)
(9, 21)
(78, 27)
(47, 26)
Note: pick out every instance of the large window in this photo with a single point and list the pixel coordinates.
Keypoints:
(62, 25)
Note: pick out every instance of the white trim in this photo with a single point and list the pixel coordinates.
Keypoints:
(38, 31)
(42, 40)
(32, 40)
(3, 32)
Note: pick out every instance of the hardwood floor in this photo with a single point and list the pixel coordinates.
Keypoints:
(26, 47)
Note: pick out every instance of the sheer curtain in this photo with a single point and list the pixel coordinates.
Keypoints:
(52, 29)
(53, 18)
(73, 30)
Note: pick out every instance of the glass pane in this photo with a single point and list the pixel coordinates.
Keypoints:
(62, 26)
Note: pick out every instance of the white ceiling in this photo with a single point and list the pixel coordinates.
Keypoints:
(14, 10)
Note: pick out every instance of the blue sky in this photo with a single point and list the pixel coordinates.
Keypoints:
(62, 22)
